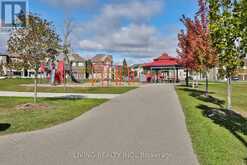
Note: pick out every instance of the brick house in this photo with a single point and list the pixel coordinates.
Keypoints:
(242, 73)
(78, 66)
(102, 66)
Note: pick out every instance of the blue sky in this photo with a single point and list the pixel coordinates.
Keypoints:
(137, 30)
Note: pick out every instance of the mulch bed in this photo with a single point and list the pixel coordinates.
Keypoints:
(32, 106)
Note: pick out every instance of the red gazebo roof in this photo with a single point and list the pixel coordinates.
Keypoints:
(163, 61)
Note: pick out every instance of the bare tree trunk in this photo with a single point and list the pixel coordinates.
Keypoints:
(197, 81)
(193, 81)
(206, 91)
(187, 78)
(64, 78)
(35, 87)
(67, 32)
(229, 93)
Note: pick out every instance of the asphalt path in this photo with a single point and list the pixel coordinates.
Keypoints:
(145, 126)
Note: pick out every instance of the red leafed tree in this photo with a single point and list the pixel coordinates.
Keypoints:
(187, 44)
(196, 51)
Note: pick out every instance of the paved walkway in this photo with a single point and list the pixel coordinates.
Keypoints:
(88, 85)
(143, 127)
(58, 95)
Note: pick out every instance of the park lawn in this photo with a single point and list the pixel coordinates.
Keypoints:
(218, 138)
(239, 98)
(15, 85)
(13, 120)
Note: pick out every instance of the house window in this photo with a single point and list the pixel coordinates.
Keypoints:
(80, 64)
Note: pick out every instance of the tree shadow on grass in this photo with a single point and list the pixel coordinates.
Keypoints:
(230, 120)
(4, 126)
(67, 97)
(209, 99)
(245, 161)
(198, 91)
(200, 95)
(190, 85)
(235, 123)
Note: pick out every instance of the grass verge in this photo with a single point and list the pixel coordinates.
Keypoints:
(13, 120)
(219, 137)
(15, 85)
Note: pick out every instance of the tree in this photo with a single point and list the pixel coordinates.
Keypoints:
(186, 47)
(196, 51)
(184, 51)
(242, 19)
(125, 68)
(32, 42)
(15, 64)
(227, 31)
(88, 68)
(205, 53)
(68, 29)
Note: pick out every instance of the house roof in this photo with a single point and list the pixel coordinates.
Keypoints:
(101, 58)
(76, 58)
(162, 61)
(12, 55)
(3, 54)
(136, 66)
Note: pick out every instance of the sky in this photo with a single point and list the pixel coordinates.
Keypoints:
(137, 30)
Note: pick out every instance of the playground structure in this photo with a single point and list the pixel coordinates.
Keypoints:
(112, 74)
(56, 70)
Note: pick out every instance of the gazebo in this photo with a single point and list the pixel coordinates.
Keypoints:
(163, 69)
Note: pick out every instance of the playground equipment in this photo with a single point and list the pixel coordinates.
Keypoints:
(55, 69)
(118, 75)
(111, 73)
(101, 73)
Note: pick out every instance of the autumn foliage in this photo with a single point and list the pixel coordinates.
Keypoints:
(196, 51)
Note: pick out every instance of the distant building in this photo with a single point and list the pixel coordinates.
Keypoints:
(78, 66)
(77, 63)
(242, 73)
(3, 58)
(3, 62)
(102, 66)
(14, 71)
(139, 72)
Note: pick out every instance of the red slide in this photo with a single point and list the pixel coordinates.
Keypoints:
(60, 72)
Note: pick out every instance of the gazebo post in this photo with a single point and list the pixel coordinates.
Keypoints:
(175, 74)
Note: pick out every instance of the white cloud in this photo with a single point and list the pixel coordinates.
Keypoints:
(68, 4)
(122, 27)
(125, 28)
(113, 16)
(133, 36)
(91, 45)
(137, 41)
(134, 10)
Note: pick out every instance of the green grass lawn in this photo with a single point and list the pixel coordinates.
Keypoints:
(13, 120)
(219, 137)
(15, 85)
